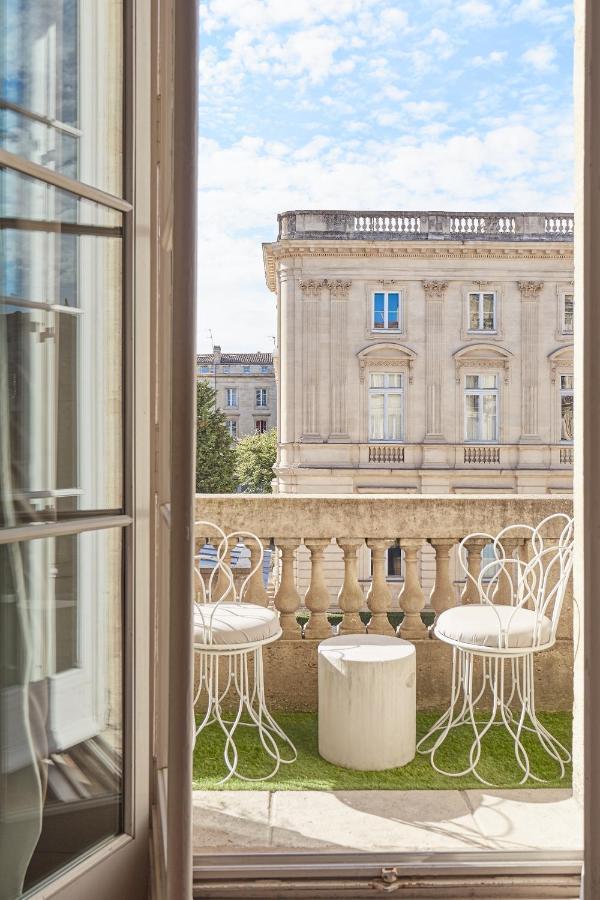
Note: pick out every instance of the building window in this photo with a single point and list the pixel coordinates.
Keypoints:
(566, 408)
(567, 314)
(482, 311)
(481, 408)
(231, 397)
(387, 311)
(264, 370)
(226, 370)
(246, 370)
(260, 426)
(204, 370)
(232, 427)
(385, 407)
(261, 396)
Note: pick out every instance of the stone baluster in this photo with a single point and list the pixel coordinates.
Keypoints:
(255, 591)
(317, 595)
(350, 597)
(443, 595)
(412, 598)
(379, 597)
(470, 592)
(287, 599)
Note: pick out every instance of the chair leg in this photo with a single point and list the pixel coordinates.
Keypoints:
(522, 695)
(251, 701)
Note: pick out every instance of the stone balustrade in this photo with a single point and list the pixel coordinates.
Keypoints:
(313, 525)
(425, 225)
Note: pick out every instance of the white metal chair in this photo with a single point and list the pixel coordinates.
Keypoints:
(520, 605)
(229, 633)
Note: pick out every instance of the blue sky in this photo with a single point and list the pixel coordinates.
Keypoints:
(394, 104)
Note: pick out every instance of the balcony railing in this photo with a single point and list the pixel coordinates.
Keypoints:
(316, 543)
(425, 225)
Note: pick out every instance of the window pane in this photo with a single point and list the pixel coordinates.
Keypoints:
(378, 311)
(488, 430)
(61, 350)
(472, 417)
(63, 112)
(471, 381)
(488, 312)
(568, 314)
(394, 381)
(376, 426)
(474, 312)
(566, 382)
(488, 381)
(61, 686)
(393, 310)
(394, 417)
(566, 416)
(376, 380)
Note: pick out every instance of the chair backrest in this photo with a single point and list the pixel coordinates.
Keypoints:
(220, 586)
(533, 575)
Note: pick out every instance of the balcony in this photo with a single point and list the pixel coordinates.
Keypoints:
(314, 580)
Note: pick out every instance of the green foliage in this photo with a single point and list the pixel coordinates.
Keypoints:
(255, 457)
(215, 448)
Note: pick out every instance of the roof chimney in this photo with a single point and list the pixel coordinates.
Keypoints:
(216, 354)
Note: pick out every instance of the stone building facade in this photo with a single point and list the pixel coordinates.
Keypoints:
(423, 352)
(245, 388)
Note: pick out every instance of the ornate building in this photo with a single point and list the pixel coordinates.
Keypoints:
(245, 387)
(423, 352)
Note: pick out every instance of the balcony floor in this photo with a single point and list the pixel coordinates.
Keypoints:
(386, 821)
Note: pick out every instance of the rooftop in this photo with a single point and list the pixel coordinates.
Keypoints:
(424, 225)
(232, 359)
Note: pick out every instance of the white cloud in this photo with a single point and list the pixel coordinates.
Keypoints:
(541, 12)
(495, 57)
(541, 57)
(477, 12)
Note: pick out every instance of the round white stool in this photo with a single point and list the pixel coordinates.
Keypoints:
(367, 701)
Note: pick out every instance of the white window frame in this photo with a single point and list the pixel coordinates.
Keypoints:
(232, 427)
(386, 328)
(258, 397)
(387, 391)
(480, 295)
(233, 391)
(564, 392)
(481, 392)
(563, 303)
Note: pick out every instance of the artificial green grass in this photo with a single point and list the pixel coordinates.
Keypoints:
(312, 773)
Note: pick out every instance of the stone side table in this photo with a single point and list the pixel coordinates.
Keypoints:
(367, 701)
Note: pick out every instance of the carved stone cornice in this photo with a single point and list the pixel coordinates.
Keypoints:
(311, 289)
(339, 289)
(475, 362)
(434, 289)
(373, 365)
(530, 289)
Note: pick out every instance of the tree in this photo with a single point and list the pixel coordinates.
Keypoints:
(255, 457)
(215, 448)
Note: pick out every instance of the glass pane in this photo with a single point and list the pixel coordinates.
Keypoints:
(566, 382)
(474, 312)
(488, 312)
(394, 417)
(61, 79)
(61, 367)
(488, 382)
(61, 709)
(394, 381)
(568, 314)
(471, 381)
(393, 311)
(488, 430)
(22, 197)
(378, 311)
(472, 417)
(376, 380)
(376, 428)
(566, 417)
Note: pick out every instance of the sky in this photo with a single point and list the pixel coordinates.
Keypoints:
(368, 104)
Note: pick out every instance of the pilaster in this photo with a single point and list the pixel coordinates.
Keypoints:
(338, 354)
(311, 298)
(530, 292)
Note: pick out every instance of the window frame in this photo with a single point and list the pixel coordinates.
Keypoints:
(564, 392)
(232, 427)
(234, 392)
(386, 391)
(258, 393)
(564, 331)
(481, 392)
(481, 330)
(386, 329)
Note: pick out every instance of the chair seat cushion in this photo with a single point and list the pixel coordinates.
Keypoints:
(483, 625)
(234, 623)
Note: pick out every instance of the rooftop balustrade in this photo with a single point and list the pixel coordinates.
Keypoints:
(425, 225)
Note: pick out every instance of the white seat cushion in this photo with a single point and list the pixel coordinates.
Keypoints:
(234, 623)
(481, 625)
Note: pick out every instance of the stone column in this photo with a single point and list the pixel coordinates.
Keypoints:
(412, 599)
(530, 291)
(434, 355)
(338, 349)
(255, 591)
(379, 597)
(350, 597)
(287, 599)
(311, 298)
(442, 595)
(470, 593)
(317, 595)
(286, 361)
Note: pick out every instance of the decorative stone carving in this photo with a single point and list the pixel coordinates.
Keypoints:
(339, 289)
(435, 289)
(499, 363)
(312, 288)
(530, 289)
